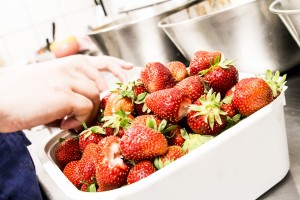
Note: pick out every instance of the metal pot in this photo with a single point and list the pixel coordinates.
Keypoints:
(246, 31)
(138, 39)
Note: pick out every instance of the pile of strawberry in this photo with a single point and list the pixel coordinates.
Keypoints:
(150, 122)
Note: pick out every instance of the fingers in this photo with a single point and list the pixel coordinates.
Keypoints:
(114, 65)
(84, 104)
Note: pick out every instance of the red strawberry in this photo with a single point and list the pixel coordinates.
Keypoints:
(173, 153)
(142, 119)
(156, 76)
(205, 116)
(91, 135)
(71, 172)
(229, 109)
(178, 70)
(169, 104)
(141, 143)
(193, 86)
(139, 171)
(140, 94)
(67, 151)
(87, 164)
(221, 76)
(111, 171)
(104, 100)
(202, 60)
(176, 136)
(250, 95)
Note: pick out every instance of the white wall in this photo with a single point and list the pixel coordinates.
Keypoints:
(25, 24)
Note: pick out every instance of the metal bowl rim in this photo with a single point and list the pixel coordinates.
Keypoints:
(275, 10)
(162, 23)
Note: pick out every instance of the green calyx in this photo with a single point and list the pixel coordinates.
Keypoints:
(194, 141)
(93, 129)
(118, 120)
(210, 108)
(218, 62)
(140, 99)
(162, 127)
(158, 163)
(127, 89)
(275, 82)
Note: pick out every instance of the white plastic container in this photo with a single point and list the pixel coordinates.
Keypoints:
(241, 163)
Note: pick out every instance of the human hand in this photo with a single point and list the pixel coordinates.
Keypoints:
(66, 89)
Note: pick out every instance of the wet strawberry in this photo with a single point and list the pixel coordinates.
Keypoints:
(139, 171)
(142, 143)
(193, 86)
(172, 154)
(111, 171)
(116, 102)
(169, 104)
(67, 151)
(178, 70)
(156, 76)
(250, 95)
(202, 60)
(71, 172)
(205, 116)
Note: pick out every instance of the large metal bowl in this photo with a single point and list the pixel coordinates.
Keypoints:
(246, 31)
(289, 13)
(137, 38)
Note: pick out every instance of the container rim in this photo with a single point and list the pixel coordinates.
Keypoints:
(130, 21)
(274, 9)
(163, 24)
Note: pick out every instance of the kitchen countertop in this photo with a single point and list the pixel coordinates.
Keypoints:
(288, 188)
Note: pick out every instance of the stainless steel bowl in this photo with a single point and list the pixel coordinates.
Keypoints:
(246, 31)
(137, 38)
(289, 13)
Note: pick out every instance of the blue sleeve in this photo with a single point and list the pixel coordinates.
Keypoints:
(18, 178)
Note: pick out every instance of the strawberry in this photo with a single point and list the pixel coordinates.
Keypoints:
(193, 86)
(111, 171)
(176, 136)
(71, 172)
(104, 100)
(250, 95)
(116, 102)
(67, 151)
(221, 76)
(118, 121)
(202, 60)
(142, 120)
(178, 70)
(169, 104)
(141, 143)
(87, 164)
(91, 135)
(172, 154)
(139, 171)
(156, 76)
(205, 116)
(229, 109)
(140, 94)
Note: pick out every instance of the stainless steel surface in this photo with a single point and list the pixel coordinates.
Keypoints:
(247, 31)
(289, 13)
(137, 38)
